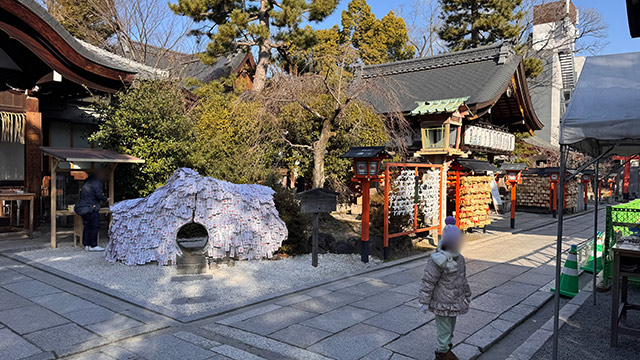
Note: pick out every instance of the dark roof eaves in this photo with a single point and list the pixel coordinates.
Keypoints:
(79, 48)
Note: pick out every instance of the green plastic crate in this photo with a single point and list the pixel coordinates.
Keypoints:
(625, 219)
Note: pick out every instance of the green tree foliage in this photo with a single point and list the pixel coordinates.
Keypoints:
(533, 67)
(472, 23)
(298, 224)
(320, 115)
(363, 39)
(523, 150)
(150, 121)
(265, 24)
(304, 126)
(232, 140)
(82, 18)
(377, 40)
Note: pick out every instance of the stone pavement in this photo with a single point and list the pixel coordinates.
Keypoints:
(370, 316)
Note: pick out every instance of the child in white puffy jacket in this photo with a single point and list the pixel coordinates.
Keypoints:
(445, 290)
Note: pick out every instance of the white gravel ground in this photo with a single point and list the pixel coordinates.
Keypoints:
(230, 284)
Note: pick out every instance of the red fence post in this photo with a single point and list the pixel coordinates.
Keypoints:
(364, 244)
(554, 199)
(513, 205)
(387, 181)
(415, 205)
(443, 180)
(458, 198)
(586, 188)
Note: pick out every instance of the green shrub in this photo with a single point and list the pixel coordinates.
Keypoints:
(149, 120)
(298, 224)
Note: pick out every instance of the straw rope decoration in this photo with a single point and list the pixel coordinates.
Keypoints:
(12, 127)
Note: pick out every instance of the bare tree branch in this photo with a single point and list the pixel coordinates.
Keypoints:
(422, 18)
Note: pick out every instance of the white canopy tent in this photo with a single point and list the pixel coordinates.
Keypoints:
(602, 119)
(605, 107)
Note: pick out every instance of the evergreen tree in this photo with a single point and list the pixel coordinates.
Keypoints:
(377, 40)
(472, 23)
(83, 19)
(363, 39)
(265, 24)
(150, 121)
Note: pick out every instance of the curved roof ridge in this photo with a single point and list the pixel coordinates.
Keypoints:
(90, 52)
(142, 71)
(482, 53)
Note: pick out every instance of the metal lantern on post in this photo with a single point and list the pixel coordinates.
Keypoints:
(586, 179)
(612, 185)
(367, 166)
(514, 177)
(554, 179)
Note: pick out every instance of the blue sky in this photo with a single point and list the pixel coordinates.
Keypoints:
(613, 12)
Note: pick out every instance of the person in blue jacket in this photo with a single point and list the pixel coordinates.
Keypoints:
(88, 207)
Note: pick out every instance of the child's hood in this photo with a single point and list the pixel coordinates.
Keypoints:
(444, 259)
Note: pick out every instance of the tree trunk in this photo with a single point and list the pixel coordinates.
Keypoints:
(319, 149)
(260, 77)
(264, 52)
(475, 33)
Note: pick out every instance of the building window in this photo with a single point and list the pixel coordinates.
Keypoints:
(433, 137)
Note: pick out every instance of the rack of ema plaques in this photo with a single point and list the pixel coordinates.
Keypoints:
(622, 222)
(412, 200)
(472, 194)
(241, 221)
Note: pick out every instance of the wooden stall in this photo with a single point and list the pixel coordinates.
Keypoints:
(77, 155)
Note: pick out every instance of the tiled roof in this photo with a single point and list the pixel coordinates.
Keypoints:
(477, 165)
(365, 152)
(142, 71)
(182, 65)
(513, 166)
(481, 74)
(89, 51)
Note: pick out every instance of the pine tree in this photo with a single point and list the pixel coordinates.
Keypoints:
(265, 24)
(83, 19)
(472, 23)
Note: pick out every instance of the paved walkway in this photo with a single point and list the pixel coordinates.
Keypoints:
(370, 316)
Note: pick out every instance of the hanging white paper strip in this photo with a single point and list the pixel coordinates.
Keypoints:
(403, 190)
(429, 194)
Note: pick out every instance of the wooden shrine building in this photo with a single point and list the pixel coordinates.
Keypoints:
(460, 104)
(48, 81)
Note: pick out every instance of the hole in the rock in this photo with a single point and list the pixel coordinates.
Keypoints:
(192, 236)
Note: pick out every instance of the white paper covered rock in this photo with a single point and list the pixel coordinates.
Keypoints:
(241, 221)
